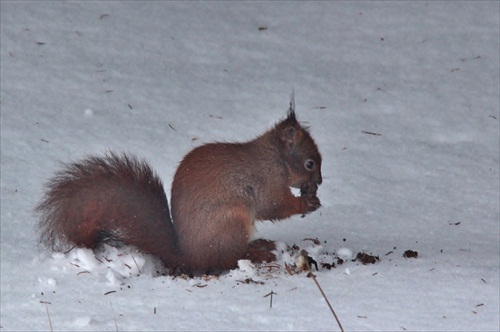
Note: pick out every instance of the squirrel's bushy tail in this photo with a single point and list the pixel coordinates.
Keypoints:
(109, 198)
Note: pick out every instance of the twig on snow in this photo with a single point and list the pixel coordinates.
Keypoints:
(271, 299)
(114, 316)
(48, 316)
(311, 275)
(304, 264)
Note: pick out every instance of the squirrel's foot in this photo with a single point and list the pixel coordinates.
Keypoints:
(260, 251)
(262, 244)
(259, 256)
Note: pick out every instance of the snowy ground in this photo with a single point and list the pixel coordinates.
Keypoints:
(158, 78)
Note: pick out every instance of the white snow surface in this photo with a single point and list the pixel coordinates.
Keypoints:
(401, 97)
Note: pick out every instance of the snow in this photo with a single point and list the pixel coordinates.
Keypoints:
(345, 253)
(401, 97)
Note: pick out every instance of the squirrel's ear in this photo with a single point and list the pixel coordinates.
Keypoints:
(290, 135)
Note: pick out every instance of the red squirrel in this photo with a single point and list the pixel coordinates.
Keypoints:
(218, 192)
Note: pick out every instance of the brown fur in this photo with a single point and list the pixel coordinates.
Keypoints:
(218, 192)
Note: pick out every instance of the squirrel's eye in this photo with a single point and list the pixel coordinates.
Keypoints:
(309, 164)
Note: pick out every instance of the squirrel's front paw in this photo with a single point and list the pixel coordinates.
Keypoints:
(308, 189)
(313, 203)
(308, 192)
(310, 203)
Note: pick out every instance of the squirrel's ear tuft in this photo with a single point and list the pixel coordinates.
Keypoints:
(291, 110)
(289, 127)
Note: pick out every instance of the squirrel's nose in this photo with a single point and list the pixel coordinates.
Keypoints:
(320, 179)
